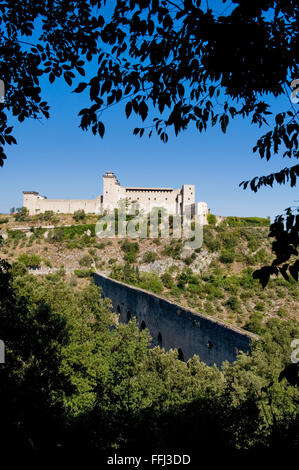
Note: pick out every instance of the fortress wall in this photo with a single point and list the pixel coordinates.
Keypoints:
(66, 206)
(157, 198)
(214, 341)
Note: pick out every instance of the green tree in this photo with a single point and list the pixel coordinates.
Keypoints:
(32, 384)
(212, 219)
(160, 55)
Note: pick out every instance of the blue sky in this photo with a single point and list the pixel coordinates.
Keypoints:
(59, 160)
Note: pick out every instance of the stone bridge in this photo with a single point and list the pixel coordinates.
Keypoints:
(173, 326)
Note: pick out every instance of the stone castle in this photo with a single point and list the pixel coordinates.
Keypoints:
(175, 201)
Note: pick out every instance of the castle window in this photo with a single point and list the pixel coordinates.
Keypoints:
(129, 316)
(166, 199)
(209, 345)
(149, 198)
(142, 325)
(160, 340)
(118, 309)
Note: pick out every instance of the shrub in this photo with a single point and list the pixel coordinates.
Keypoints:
(229, 240)
(73, 281)
(18, 269)
(73, 244)
(261, 256)
(212, 219)
(112, 261)
(4, 221)
(167, 280)
(233, 303)
(253, 244)
(83, 272)
(47, 216)
(209, 310)
(30, 261)
(48, 263)
(92, 252)
(189, 259)
(280, 293)
(150, 256)
(173, 250)
(79, 215)
(16, 235)
(53, 277)
(130, 249)
(212, 243)
(255, 323)
(22, 214)
(248, 221)
(100, 246)
(187, 277)
(86, 261)
(282, 312)
(227, 257)
(74, 231)
(151, 282)
(260, 306)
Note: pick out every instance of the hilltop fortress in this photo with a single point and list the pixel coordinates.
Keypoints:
(175, 201)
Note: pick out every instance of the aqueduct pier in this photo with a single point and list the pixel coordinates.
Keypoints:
(173, 326)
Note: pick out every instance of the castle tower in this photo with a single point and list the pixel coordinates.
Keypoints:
(112, 191)
(29, 201)
(188, 198)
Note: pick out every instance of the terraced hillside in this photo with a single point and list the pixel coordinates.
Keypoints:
(215, 279)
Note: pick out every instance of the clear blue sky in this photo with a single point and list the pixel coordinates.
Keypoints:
(59, 160)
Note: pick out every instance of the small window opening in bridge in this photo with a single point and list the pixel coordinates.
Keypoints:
(129, 316)
(160, 340)
(209, 345)
(142, 326)
(180, 355)
(118, 309)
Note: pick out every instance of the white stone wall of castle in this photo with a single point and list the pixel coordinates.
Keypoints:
(112, 192)
(188, 197)
(201, 208)
(175, 201)
(156, 198)
(38, 205)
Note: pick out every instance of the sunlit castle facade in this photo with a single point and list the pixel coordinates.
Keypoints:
(175, 201)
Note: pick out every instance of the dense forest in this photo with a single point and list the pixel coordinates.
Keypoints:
(76, 378)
